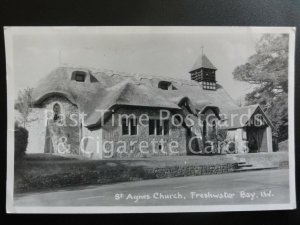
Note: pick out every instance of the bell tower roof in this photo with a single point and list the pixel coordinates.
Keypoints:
(204, 72)
(203, 62)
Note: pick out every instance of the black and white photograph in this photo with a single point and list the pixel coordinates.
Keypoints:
(142, 119)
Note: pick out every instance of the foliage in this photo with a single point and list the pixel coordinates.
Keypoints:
(226, 144)
(35, 175)
(218, 140)
(268, 69)
(21, 141)
(23, 104)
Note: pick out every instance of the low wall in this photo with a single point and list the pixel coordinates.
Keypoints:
(182, 171)
(42, 175)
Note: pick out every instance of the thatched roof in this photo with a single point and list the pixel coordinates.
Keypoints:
(105, 89)
(203, 62)
(127, 93)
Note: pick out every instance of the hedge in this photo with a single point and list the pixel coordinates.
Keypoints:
(21, 141)
(34, 176)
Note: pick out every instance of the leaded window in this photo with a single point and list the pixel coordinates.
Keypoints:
(129, 126)
(158, 127)
(209, 85)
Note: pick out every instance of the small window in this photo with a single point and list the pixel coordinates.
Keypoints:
(166, 85)
(158, 127)
(159, 147)
(129, 126)
(214, 127)
(133, 127)
(209, 85)
(56, 111)
(151, 127)
(204, 128)
(166, 127)
(132, 148)
(125, 127)
(78, 76)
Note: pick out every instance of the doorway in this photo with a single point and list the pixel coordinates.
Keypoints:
(257, 139)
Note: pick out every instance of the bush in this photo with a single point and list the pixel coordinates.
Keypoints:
(31, 176)
(219, 140)
(21, 141)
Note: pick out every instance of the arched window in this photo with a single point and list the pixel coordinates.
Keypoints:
(56, 111)
(214, 127)
(204, 128)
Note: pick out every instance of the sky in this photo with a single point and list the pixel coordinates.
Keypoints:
(163, 52)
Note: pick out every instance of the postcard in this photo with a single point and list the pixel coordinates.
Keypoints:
(150, 119)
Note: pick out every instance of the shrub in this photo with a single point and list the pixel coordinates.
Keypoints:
(21, 141)
(219, 140)
(228, 143)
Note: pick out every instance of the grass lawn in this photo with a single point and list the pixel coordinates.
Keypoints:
(46, 157)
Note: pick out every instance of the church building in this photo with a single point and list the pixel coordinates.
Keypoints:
(98, 114)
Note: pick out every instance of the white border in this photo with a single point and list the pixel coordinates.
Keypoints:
(291, 116)
(10, 119)
(9, 32)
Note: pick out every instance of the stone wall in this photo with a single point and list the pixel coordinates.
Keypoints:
(37, 175)
(190, 170)
(65, 130)
(112, 132)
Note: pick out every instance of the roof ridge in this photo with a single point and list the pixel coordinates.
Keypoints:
(139, 76)
(253, 105)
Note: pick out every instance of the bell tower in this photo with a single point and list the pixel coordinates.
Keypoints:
(204, 72)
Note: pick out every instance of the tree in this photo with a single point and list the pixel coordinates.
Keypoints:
(21, 141)
(24, 103)
(268, 69)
